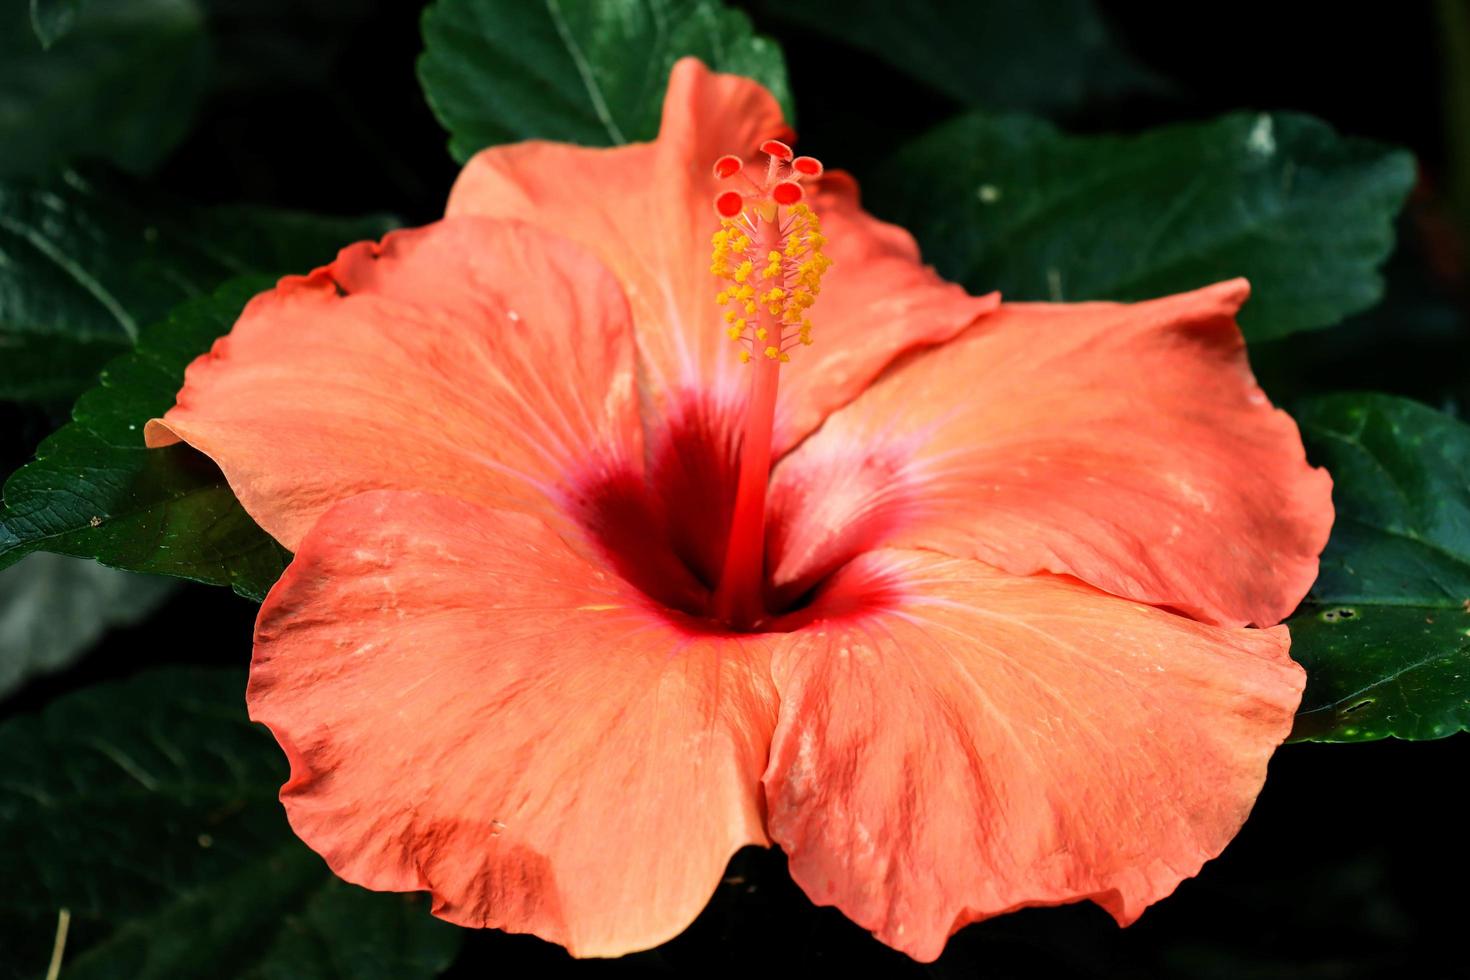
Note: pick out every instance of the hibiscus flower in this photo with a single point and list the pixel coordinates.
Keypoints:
(950, 604)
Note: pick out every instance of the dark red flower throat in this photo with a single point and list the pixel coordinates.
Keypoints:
(667, 530)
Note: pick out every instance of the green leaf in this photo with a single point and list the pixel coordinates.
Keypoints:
(590, 73)
(94, 491)
(53, 18)
(994, 54)
(1385, 634)
(1010, 203)
(1414, 343)
(118, 81)
(53, 609)
(148, 811)
(50, 368)
(83, 266)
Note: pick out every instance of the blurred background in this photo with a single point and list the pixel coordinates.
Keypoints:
(1355, 861)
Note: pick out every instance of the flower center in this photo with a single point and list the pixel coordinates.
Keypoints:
(768, 251)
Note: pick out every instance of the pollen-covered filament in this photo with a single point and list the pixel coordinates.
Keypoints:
(768, 251)
(771, 258)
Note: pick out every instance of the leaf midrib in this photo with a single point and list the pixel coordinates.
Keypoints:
(1424, 661)
(584, 71)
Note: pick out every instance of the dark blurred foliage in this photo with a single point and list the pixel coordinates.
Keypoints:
(1354, 863)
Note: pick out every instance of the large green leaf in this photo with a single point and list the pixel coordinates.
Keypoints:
(1385, 634)
(590, 73)
(53, 608)
(992, 54)
(1414, 343)
(1010, 203)
(147, 810)
(119, 81)
(94, 491)
(83, 266)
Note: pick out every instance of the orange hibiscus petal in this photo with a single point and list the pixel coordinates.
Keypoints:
(487, 359)
(472, 709)
(1127, 445)
(645, 209)
(975, 742)
(878, 302)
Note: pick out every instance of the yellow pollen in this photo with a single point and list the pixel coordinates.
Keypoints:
(792, 272)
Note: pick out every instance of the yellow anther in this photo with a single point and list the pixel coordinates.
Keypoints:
(792, 270)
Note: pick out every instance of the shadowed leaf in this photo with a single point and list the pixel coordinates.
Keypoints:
(1010, 203)
(114, 81)
(148, 810)
(1385, 634)
(84, 266)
